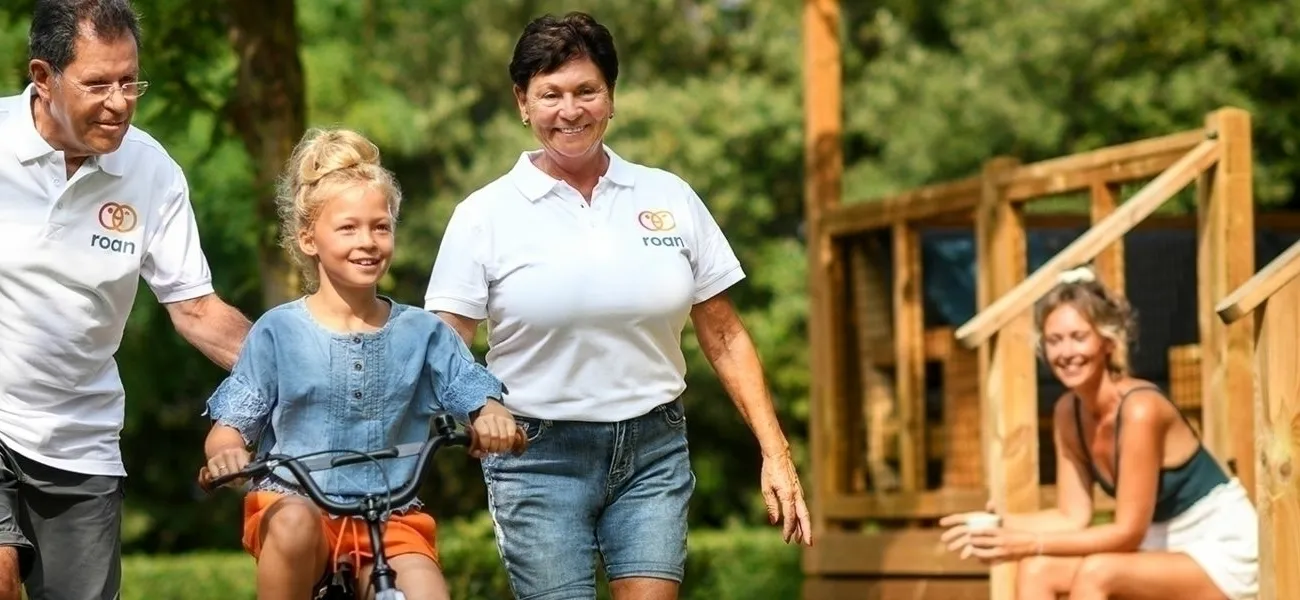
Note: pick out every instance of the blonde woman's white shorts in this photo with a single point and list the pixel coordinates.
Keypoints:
(1221, 533)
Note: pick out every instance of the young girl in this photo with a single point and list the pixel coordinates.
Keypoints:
(343, 368)
(1182, 527)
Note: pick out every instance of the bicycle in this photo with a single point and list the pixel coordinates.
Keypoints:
(374, 509)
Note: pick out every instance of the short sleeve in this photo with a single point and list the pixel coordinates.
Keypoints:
(458, 283)
(713, 262)
(461, 385)
(174, 266)
(245, 398)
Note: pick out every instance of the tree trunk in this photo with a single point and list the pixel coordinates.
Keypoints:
(268, 112)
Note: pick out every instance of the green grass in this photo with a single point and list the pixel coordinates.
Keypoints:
(731, 564)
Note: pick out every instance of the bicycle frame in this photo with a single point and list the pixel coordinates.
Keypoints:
(372, 508)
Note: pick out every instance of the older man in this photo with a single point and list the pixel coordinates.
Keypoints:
(89, 205)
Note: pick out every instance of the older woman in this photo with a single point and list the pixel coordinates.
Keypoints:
(586, 267)
(1182, 527)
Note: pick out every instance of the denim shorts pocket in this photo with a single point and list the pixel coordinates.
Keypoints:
(533, 428)
(674, 414)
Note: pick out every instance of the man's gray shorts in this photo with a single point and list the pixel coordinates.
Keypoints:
(67, 528)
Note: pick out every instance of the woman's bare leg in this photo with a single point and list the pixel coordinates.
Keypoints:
(1045, 577)
(1143, 576)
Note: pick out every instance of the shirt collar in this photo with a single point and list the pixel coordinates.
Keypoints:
(535, 184)
(28, 144)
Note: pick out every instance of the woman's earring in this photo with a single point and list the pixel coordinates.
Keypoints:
(525, 122)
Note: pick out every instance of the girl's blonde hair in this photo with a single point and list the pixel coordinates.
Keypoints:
(1108, 312)
(324, 162)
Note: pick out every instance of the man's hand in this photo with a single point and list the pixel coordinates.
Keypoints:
(494, 431)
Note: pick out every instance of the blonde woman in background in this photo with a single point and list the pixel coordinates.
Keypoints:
(1183, 528)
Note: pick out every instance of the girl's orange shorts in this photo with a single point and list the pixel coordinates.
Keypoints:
(411, 532)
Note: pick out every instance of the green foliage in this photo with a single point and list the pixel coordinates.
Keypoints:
(732, 564)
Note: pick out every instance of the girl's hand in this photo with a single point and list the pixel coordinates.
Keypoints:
(225, 461)
(494, 430)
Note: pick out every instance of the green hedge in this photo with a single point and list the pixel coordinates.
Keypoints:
(730, 564)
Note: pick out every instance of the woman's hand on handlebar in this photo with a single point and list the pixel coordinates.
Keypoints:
(493, 430)
(224, 461)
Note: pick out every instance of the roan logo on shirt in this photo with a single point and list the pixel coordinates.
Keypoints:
(659, 221)
(117, 218)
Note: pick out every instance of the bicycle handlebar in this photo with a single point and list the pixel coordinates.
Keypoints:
(301, 467)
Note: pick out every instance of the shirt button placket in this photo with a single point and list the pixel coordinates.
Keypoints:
(357, 367)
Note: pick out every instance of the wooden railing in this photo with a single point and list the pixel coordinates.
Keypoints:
(1089, 245)
(1217, 158)
(1273, 296)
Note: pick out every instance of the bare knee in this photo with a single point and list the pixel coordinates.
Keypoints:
(292, 528)
(1096, 575)
(10, 578)
(1043, 577)
(1033, 572)
(643, 588)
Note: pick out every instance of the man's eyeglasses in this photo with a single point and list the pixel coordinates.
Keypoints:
(130, 90)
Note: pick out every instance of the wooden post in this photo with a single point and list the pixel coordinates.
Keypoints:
(1277, 419)
(909, 348)
(1225, 260)
(823, 163)
(1110, 263)
(1008, 386)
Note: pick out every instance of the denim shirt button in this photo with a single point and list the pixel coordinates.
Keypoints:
(356, 366)
(357, 394)
(356, 340)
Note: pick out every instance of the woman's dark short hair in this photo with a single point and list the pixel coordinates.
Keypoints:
(549, 42)
(57, 23)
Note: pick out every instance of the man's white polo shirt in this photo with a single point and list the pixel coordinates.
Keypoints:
(585, 304)
(72, 253)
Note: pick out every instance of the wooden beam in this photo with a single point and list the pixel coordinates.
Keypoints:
(1017, 300)
(1110, 263)
(949, 588)
(909, 335)
(1261, 286)
(1277, 415)
(824, 166)
(1121, 163)
(1008, 389)
(1113, 164)
(921, 203)
(901, 552)
(1225, 261)
(1274, 221)
(931, 504)
(1026, 188)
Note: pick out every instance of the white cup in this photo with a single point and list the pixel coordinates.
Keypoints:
(982, 521)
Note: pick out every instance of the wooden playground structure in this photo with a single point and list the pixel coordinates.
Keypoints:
(884, 470)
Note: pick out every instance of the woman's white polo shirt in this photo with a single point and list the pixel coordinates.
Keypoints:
(585, 304)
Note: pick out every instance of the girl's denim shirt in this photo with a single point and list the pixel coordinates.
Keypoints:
(298, 387)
